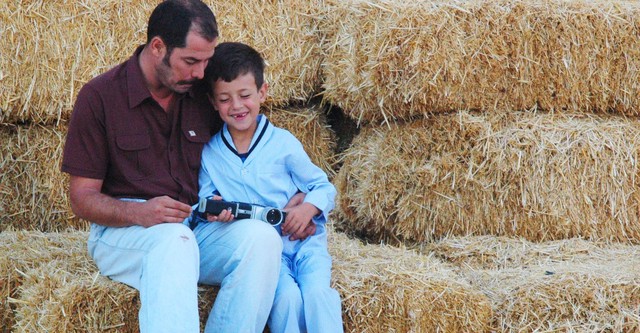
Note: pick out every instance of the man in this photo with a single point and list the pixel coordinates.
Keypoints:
(133, 153)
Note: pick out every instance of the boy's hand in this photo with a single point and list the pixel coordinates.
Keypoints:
(224, 216)
(298, 223)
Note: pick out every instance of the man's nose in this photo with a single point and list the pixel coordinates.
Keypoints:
(198, 70)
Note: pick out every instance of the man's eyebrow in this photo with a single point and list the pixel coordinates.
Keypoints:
(190, 58)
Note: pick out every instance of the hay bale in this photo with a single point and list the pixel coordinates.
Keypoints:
(22, 251)
(387, 289)
(69, 295)
(309, 125)
(33, 191)
(533, 175)
(396, 59)
(382, 288)
(286, 33)
(57, 46)
(569, 285)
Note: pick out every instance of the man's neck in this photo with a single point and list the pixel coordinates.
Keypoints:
(160, 93)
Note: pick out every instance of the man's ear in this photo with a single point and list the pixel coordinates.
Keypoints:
(158, 47)
(262, 92)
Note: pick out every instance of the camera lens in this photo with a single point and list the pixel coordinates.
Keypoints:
(274, 216)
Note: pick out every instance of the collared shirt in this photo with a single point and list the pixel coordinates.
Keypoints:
(274, 170)
(118, 133)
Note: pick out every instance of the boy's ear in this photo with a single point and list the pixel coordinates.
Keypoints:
(262, 92)
(210, 98)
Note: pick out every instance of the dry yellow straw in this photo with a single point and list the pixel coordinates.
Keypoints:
(51, 48)
(535, 175)
(569, 285)
(309, 125)
(387, 289)
(33, 190)
(396, 59)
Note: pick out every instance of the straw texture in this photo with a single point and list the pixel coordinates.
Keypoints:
(570, 285)
(535, 175)
(33, 191)
(51, 48)
(286, 33)
(309, 125)
(387, 60)
(21, 251)
(387, 289)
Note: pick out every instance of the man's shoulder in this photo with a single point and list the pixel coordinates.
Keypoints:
(111, 78)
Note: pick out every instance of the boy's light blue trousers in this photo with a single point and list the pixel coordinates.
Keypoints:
(305, 301)
(167, 261)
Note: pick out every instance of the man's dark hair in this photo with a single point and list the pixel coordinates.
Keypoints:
(171, 20)
(231, 60)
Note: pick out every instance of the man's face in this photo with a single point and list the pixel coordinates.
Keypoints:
(180, 68)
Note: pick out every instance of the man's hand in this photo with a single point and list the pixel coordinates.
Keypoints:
(161, 210)
(302, 225)
(88, 203)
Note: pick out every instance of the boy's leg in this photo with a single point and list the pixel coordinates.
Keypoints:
(243, 257)
(162, 263)
(312, 267)
(286, 313)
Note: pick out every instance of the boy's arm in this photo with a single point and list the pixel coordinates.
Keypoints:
(313, 181)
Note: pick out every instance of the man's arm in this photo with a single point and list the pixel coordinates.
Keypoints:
(88, 203)
(305, 232)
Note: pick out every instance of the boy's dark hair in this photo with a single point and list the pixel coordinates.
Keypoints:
(231, 60)
(172, 19)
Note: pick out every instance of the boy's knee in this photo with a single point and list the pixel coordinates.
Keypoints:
(288, 298)
(264, 236)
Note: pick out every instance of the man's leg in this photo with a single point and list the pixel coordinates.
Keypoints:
(162, 263)
(243, 257)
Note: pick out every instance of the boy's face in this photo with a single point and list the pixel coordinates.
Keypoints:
(238, 102)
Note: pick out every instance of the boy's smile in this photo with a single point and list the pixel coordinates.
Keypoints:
(238, 103)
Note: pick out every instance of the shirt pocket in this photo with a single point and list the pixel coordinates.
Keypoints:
(135, 160)
(275, 177)
(196, 138)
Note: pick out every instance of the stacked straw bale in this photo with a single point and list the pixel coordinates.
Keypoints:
(309, 125)
(33, 191)
(51, 48)
(398, 59)
(389, 289)
(55, 287)
(24, 251)
(286, 33)
(570, 285)
(535, 175)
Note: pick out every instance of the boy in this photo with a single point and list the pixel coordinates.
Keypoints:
(252, 161)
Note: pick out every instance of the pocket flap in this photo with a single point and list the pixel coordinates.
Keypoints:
(133, 142)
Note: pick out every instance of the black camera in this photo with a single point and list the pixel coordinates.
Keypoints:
(242, 210)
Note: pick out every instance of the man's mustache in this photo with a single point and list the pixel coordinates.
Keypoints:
(190, 82)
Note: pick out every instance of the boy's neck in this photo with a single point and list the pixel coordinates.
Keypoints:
(242, 139)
